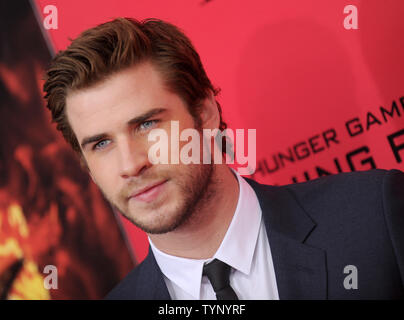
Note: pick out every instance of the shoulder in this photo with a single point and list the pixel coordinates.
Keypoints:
(132, 286)
(356, 207)
(354, 204)
(359, 219)
(344, 195)
(349, 180)
(350, 189)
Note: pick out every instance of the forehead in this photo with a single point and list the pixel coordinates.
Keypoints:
(117, 99)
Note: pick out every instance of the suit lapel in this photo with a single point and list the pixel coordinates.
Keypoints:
(152, 282)
(300, 269)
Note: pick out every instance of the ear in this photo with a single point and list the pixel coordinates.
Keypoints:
(210, 113)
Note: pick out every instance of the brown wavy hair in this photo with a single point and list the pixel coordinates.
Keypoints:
(113, 46)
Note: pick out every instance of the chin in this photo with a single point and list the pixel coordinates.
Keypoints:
(153, 228)
(155, 221)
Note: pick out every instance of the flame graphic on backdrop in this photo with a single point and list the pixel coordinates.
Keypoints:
(15, 252)
(51, 213)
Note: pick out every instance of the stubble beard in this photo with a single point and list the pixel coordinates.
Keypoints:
(197, 190)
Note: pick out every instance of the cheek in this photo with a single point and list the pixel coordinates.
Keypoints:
(103, 173)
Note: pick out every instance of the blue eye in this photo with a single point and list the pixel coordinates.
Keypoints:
(148, 124)
(101, 145)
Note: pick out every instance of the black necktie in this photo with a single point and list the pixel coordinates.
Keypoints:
(218, 274)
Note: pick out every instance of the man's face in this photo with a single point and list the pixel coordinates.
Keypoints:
(114, 141)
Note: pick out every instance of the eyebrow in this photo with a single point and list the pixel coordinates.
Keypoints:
(134, 121)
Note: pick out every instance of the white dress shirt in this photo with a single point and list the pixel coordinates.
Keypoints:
(245, 248)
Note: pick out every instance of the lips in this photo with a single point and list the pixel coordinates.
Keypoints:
(145, 189)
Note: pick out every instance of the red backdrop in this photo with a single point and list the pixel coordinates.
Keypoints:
(318, 95)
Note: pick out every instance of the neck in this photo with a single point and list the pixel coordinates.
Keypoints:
(202, 235)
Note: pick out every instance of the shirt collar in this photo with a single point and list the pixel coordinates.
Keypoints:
(237, 248)
(185, 273)
(238, 245)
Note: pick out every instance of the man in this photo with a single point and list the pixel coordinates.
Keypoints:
(212, 233)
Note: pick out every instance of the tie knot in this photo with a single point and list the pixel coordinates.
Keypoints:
(218, 274)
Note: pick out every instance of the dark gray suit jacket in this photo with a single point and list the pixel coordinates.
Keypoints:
(315, 229)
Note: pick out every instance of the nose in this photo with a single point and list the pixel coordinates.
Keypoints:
(133, 159)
